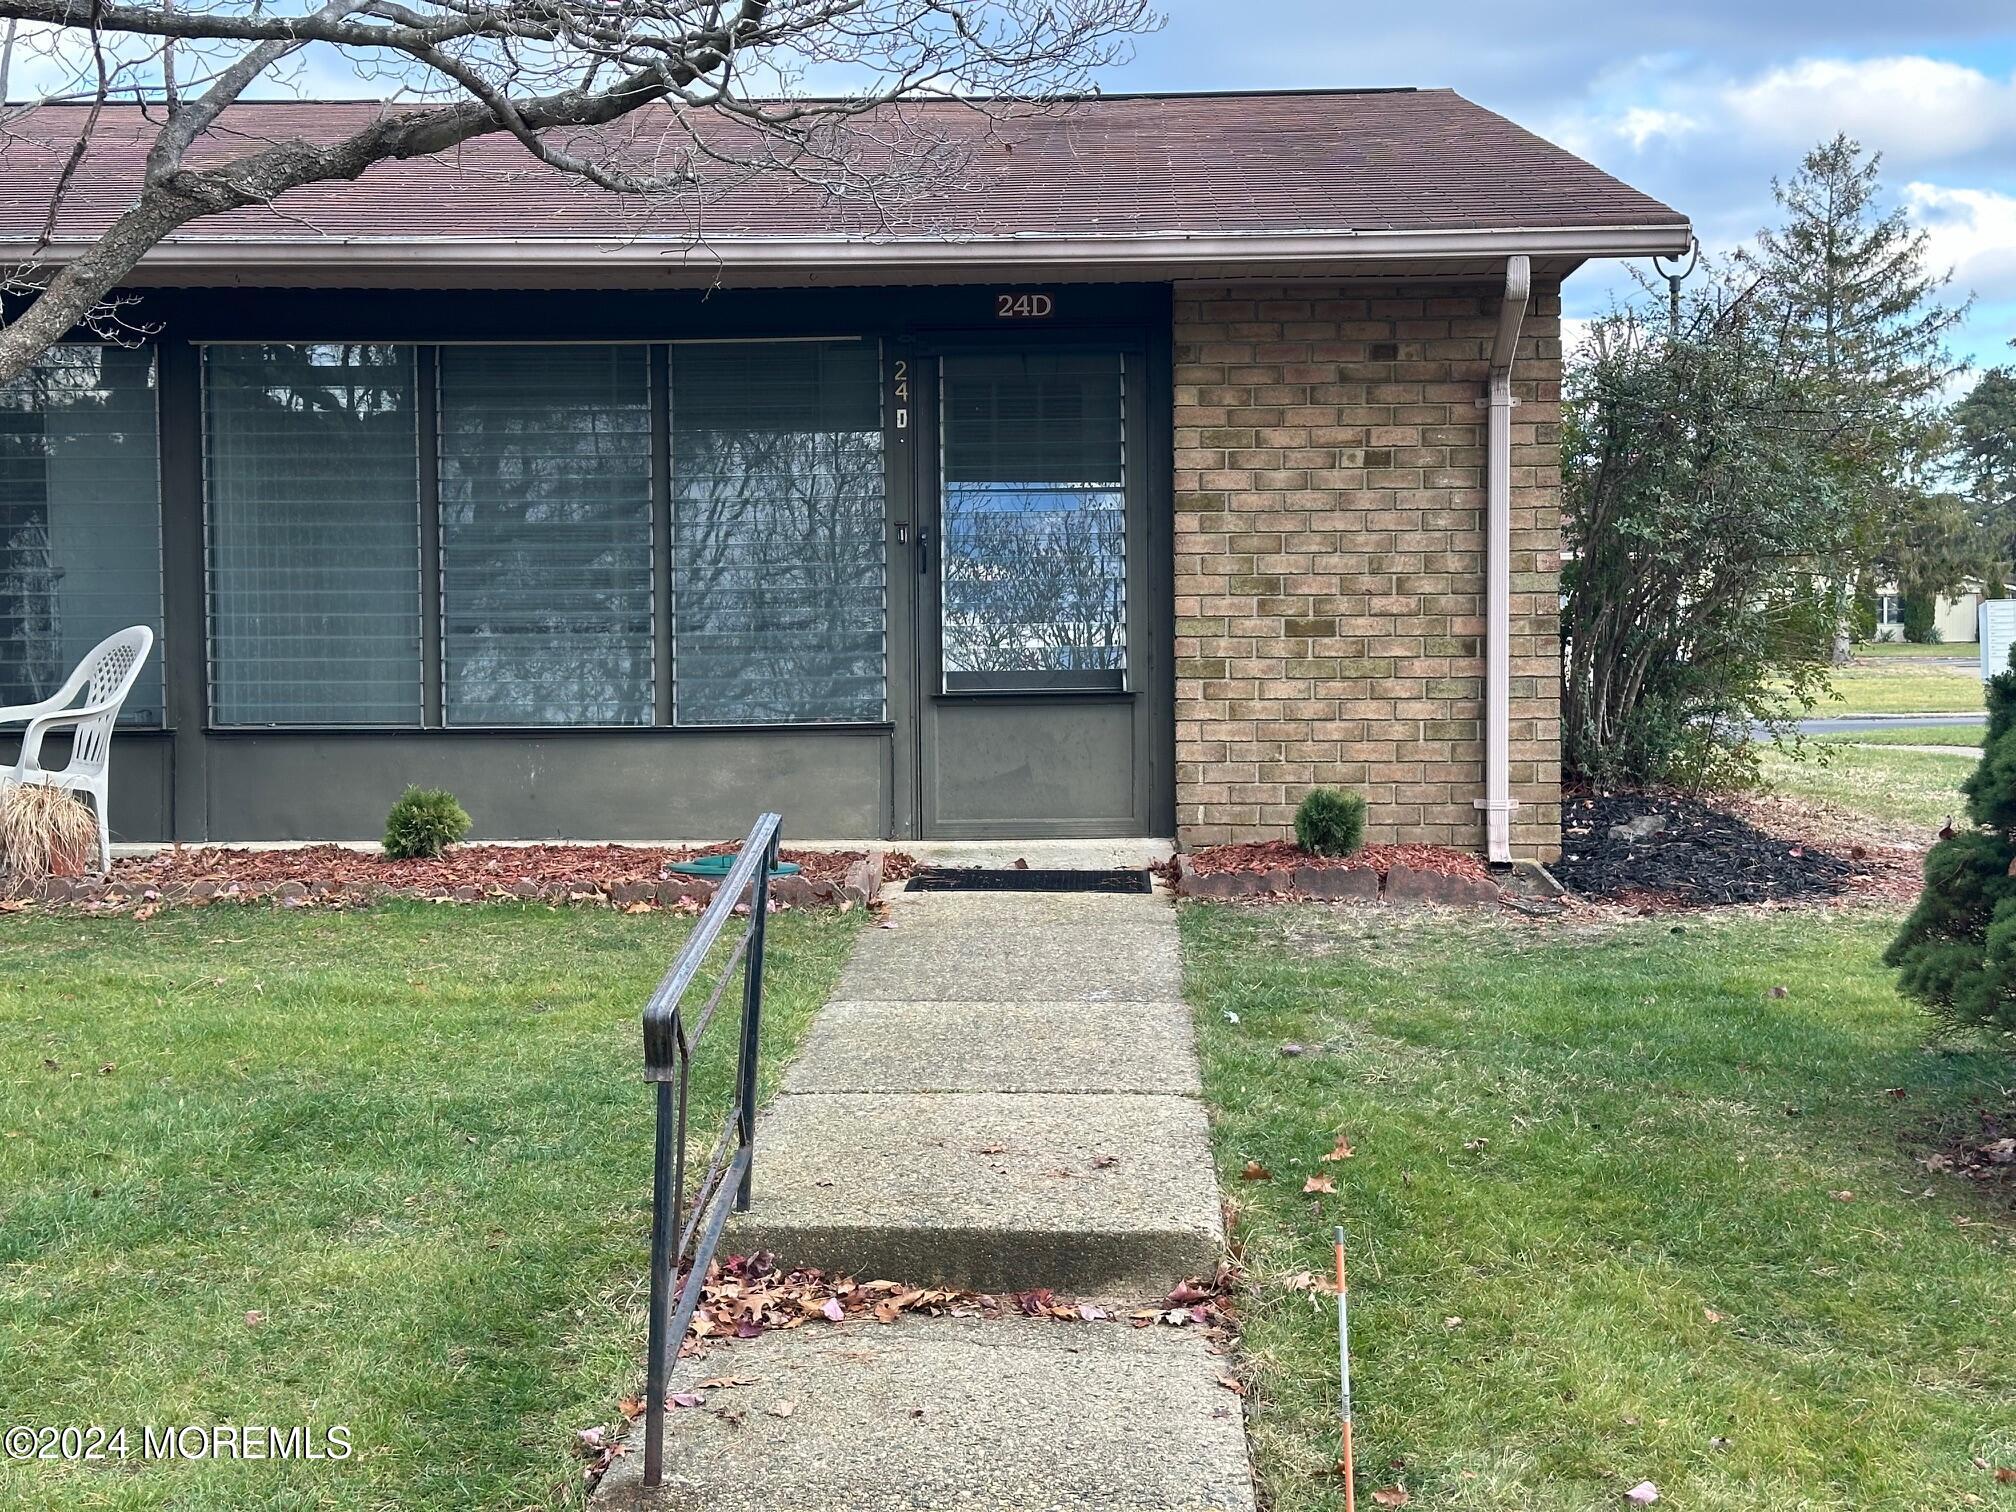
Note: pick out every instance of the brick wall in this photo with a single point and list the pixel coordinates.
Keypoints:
(1330, 559)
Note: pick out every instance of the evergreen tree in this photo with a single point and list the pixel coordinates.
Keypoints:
(1984, 455)
(1956, 953)
(1849, 284)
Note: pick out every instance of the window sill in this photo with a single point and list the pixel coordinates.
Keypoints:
(1037, 695)
(557, 732)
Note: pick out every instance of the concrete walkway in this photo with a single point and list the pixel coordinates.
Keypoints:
(1002, 1095)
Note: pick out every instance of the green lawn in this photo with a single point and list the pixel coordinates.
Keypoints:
(388, 1170)
(1900, 685)
(1966, 736)
(1920, 788)
(1912, 650)
(1595, 1208)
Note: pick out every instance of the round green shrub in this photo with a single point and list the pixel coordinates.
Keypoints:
(424, 822)
(1330, 822)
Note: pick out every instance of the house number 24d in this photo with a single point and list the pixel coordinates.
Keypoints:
(1024, 306)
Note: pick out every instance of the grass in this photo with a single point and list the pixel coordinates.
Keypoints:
(1594, 1214)
(1899, 685)
(1960, 736)
(1898, 787)
(414, 1141)
(1912, 650)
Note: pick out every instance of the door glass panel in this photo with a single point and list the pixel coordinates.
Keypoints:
(1033, 558)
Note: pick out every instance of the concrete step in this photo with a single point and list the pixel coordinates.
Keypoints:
(1003, 959)
(1097, 1195)
(934, 1413)
(997, 1047)
(1018, 910)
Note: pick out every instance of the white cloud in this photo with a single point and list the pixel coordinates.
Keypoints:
(1911, 107)
(1973, 232)
(1917, 111)
(1642, 124)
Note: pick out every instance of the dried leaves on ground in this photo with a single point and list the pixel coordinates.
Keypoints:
(746, 1296)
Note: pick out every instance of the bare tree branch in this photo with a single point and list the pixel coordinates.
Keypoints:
(572, 82)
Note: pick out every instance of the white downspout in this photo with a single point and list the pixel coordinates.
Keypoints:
(1497, 801)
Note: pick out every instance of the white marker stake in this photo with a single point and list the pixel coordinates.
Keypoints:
(1344, 1464)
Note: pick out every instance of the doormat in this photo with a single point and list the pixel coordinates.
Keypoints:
(1025, 879)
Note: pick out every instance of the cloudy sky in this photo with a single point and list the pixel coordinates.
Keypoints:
(1699, 102)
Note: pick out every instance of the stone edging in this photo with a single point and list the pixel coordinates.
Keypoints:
(862, 883)
(1403, 886)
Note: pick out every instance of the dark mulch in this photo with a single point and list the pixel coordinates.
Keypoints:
(484, 866)
(1280, 855)
(1700, 856)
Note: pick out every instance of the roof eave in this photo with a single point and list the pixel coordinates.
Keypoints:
(1165, 255)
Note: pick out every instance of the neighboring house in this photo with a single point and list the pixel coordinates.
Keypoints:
(1956, 618)
(1170, 469)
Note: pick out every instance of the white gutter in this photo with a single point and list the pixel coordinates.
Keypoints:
(1497, 802)
(298, 253)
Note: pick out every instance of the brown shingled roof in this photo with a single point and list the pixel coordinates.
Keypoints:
(1132, 166)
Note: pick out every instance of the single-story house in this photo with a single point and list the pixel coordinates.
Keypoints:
(1199, 450)
(1955, 616)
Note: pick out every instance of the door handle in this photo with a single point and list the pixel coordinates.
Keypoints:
(923, 551)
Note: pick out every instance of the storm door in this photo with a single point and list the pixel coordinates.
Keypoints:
(1031, 595)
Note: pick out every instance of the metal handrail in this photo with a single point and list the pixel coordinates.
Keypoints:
(669, 1041)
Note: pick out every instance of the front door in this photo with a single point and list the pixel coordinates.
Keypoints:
(1030, 552)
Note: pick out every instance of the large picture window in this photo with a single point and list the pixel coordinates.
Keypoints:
(314, 550)
(777, 524)
(1033, 565)
(80, 519)
(546, 562)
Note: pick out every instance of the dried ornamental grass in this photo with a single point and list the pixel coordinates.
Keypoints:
(44, 832)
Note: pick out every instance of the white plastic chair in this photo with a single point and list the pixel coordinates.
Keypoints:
(104, 677)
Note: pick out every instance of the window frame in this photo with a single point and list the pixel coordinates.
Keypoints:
(165, 723)
(422, 491)
(434, 528)
(660, 353)
(1110, 685)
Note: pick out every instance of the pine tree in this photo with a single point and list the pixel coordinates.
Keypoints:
(1956, 953)
(1984, 445)
(1849, 285)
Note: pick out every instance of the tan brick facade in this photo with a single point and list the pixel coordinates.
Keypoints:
(1330, 559)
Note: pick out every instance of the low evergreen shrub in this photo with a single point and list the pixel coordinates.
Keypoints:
(1330, 822)
(1956, 953)
(424, 822)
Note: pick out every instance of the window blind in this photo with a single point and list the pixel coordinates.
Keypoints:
(546, 557)
(314, 546)
(80, 519)
(777, 522)
(1033, 565)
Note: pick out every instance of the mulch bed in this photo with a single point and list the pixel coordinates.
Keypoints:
(462, 865)
(635, 877)
(1285, 855)
(1696, 857)
(1272, 870)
